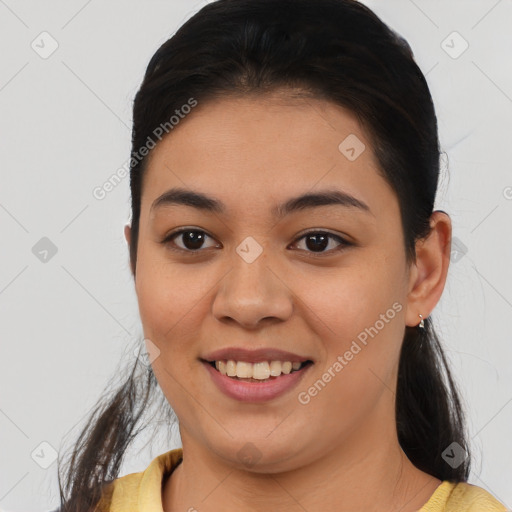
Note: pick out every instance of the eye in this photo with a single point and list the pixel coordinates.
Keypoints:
(192, 240)
(316, 241)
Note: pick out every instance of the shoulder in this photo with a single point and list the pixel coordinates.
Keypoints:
(127, 492)
(474, 498)
(462, 497)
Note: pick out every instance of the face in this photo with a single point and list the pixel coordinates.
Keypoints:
(263, 279)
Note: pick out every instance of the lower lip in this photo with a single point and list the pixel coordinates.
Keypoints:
(256, 391)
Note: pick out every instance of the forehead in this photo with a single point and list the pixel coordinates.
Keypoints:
(259, 148)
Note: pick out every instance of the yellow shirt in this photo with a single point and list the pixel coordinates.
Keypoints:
(142, 492)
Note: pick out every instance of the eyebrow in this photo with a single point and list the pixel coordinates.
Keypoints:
(200, 201)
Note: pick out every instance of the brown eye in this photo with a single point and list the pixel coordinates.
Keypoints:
(318, 241)
(192, 240)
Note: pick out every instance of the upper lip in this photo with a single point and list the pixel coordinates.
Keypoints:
(254, 355)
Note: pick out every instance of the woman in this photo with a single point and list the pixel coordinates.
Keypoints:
(286, 259)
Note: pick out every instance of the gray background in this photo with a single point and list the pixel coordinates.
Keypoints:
(65, 129)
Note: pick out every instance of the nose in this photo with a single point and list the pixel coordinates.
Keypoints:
(253, 293)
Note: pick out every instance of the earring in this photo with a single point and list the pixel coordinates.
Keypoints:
(421, 325)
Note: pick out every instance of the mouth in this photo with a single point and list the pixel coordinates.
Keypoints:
(258, 372)
(257, 381)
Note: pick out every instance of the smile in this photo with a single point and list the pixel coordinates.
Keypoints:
(256, 382)
(262, 370)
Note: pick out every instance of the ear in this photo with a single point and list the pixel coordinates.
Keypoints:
(128, 236)
(428, 274)
(128, 233)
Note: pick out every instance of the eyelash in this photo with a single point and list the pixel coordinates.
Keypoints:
(343, 243)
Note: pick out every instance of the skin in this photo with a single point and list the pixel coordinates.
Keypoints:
(340, 451)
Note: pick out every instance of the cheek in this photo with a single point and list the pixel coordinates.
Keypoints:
(359, 318)
(359, 314)
(171, 308)
(169, 301)
(347, 301)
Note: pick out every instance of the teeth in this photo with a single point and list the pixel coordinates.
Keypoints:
(286, 367)
(260, 371)
(231, 368)
(275, 368)
(243, 370)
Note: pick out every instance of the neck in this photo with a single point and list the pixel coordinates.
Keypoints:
(356, 475)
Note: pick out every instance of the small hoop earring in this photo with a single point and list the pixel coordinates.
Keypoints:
(421, 325)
